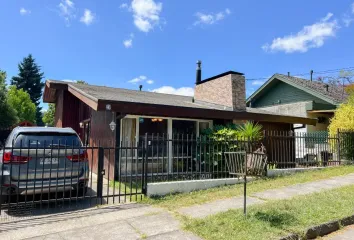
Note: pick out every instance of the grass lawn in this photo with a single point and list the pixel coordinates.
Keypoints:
(175, 201)
(276, 218)
(127, 188)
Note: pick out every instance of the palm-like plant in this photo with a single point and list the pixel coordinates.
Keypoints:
(250, 130)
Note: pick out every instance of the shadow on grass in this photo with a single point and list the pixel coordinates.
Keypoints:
(276, 219)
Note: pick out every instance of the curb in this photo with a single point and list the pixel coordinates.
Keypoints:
(322, 230)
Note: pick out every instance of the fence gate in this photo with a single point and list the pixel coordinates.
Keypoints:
(37, 181)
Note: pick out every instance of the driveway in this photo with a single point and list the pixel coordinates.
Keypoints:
(126, 221)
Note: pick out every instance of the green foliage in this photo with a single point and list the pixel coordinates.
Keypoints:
(81, 82)
(250, 130)
(7, 113)
(30, 80)
(21, 102)
(221, 132)
(227, 138)
(49, 115)
(234, 132)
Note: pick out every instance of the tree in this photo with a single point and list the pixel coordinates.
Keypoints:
(343, 120)
(49, 115)
(21, 102)
(344, 80)
(81, 82)
(30, 80)
(7, 114)
(350, 89)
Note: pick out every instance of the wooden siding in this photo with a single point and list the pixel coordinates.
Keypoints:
(102, 135)
(281, 148)
(70, 111)
(269, 126)
(58, 121)
(286, 94)
(280, 143)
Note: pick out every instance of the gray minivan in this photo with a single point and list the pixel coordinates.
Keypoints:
(37, 160)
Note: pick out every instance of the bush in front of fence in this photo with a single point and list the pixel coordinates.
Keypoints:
(343, 124)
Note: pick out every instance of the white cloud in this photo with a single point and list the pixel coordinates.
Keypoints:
(146, 14)
(67, 10)
(186, 91)
(69, 80)
(347, 20)
(24, 11)
(128, 43)
(258, 82)
(209, 19)
(327, 17)
(88, 17)
(124, 5)
(141, 78)
(312, 36)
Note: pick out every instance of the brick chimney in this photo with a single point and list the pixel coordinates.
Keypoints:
(226, 89)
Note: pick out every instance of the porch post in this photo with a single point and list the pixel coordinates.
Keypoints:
(170, 150)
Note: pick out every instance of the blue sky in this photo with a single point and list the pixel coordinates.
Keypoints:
(157, 42)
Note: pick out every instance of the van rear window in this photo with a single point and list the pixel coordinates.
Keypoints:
(47, 140)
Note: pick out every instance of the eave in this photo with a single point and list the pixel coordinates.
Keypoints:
(137, 108)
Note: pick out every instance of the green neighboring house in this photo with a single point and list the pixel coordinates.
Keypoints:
(300, 97)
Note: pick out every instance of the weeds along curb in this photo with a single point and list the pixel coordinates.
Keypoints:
(322, 230)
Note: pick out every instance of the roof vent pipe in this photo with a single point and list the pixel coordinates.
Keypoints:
(326, 86)
(199, 72)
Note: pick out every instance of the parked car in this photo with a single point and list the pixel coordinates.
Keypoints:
(37, 160)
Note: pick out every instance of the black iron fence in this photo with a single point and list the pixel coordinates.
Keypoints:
(40, 177)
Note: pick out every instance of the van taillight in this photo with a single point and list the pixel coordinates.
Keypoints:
(10, 158)
(78, 157)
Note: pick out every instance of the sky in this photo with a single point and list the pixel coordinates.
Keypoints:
(156, 43)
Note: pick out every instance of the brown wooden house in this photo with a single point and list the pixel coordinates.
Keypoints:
(220, 99)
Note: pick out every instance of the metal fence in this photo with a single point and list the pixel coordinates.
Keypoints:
(36, 180)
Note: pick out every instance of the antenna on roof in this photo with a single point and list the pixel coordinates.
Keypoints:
(140, 87)
(311, 72)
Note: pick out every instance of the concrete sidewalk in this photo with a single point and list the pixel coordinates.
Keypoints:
(130, 221)
(204, 210)
(346, 233)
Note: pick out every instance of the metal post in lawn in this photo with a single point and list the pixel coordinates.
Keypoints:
(245, 185)
(338, 145)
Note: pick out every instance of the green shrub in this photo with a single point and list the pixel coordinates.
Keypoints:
(231, 137)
